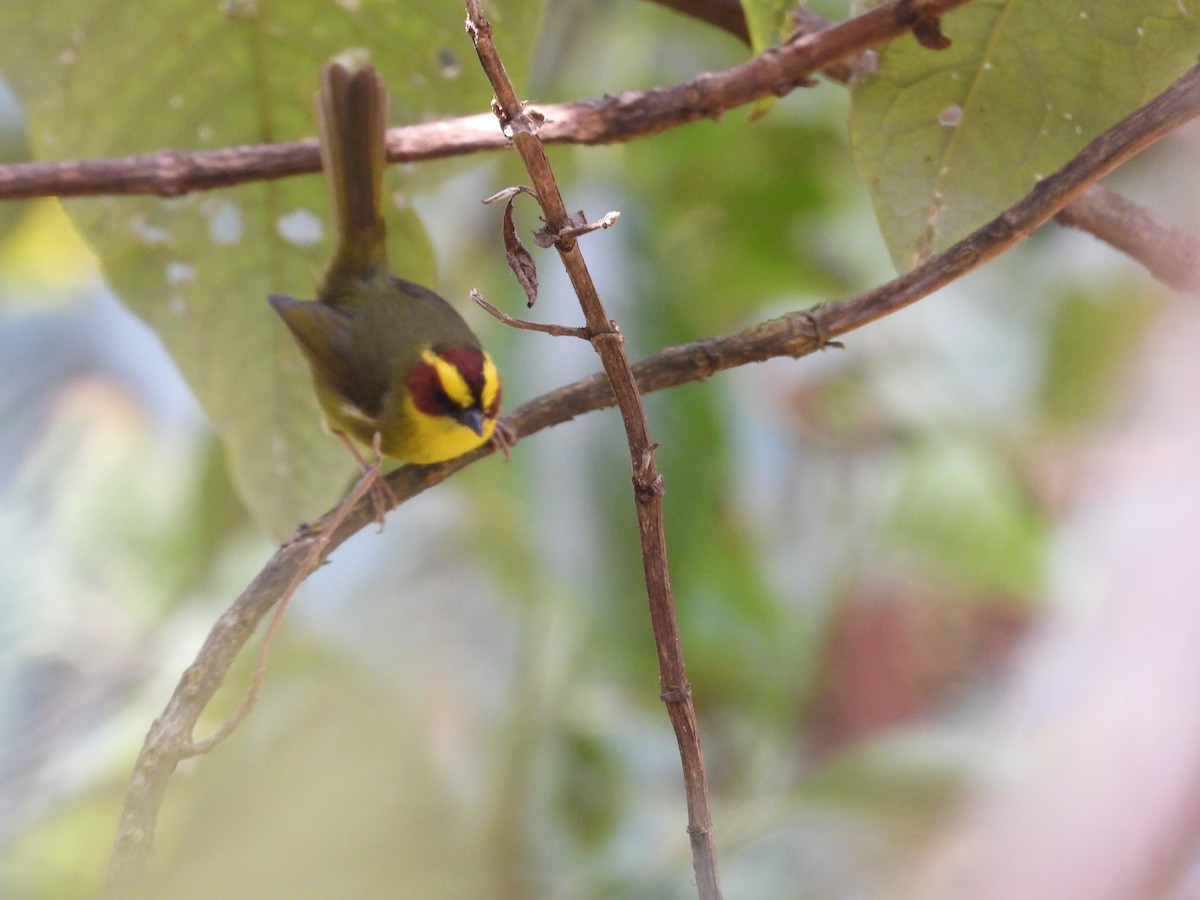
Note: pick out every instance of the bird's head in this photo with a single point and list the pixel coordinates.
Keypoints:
(455, 397)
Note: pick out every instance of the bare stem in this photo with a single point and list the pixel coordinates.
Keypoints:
(675, 690)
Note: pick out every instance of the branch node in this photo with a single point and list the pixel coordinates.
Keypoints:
(699, 95)
(820, 335)
(647, 483)
(676, 694)
(577, 226)
(575, 230)
(613, 334)
(646, 491)
(527, 121)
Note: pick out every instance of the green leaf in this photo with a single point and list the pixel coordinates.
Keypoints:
(947, 140)
(116, 79)
(766, 21)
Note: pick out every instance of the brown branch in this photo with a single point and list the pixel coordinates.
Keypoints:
(1171, 254)
(628, 115)
(523, 126)
(795, 335)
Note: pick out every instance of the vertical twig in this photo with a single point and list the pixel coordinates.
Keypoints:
(522, 127)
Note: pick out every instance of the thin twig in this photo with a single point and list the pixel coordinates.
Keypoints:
(525, 325)
(571, 232)
(795, 334)
(675, 690)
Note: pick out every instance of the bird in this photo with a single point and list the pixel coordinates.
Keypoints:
(394, 366)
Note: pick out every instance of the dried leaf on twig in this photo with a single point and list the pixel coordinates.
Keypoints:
(519, 259)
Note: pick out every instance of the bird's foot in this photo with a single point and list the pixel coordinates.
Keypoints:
(503, 439)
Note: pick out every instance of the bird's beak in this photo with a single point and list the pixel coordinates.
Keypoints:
(473, 419)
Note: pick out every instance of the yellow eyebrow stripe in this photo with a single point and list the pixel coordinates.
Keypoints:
(451, 379)
(491, 382)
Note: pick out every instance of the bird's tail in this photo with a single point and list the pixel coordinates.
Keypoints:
(352, 121)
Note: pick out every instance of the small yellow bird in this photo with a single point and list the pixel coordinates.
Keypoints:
(393, 364)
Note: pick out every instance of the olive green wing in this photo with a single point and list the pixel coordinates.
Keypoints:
(342, 373)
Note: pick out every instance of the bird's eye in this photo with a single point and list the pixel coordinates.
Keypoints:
(442, 399)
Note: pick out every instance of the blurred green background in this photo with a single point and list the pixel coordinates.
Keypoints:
(467, 704)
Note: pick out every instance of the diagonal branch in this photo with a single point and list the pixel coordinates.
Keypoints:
(795, 334)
